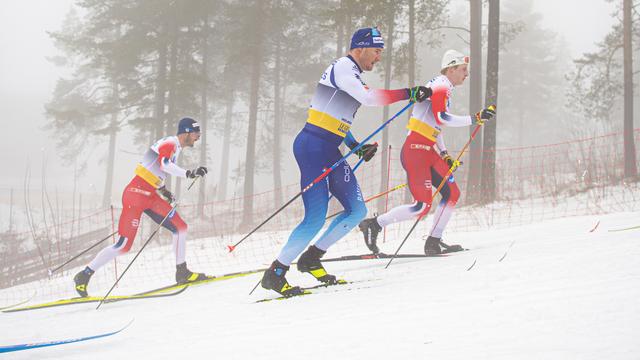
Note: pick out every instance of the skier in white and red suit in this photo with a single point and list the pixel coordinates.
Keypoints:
(147, 194)
(426, 166)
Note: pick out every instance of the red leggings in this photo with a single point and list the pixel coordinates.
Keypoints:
(138, 197)
(425, 170)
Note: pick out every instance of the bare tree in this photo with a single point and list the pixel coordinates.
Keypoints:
(630, 168)
(254, 98)
(475, 99)
(489, 157)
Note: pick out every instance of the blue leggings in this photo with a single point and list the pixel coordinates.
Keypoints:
(313, 155)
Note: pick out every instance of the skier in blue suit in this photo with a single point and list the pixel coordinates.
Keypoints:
(339, 94)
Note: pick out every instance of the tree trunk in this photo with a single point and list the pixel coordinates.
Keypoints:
(113, 133)
(630, 167)
(171, 106)
(226, 145)
(490, 129)
(340, 31)
(411, 47)
(475, 101)
(277, 124)
(204, 118)
(108, 181)
(385, 111)
(346, 26)
(250, 157)
(160, 93)
(411, 68)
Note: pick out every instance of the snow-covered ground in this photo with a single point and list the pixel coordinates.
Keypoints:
(561, 292)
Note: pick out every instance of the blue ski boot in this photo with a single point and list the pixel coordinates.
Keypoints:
(273, 279)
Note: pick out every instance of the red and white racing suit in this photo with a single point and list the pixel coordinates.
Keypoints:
(422, 162)
(140, 196)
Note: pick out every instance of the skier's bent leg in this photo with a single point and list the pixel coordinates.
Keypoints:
(402, 213)
(341, 226)
(315, 211)
(344, 186)
(127, 230)
(173, 223)
(415, 161)
(450, 195)
(346, 190)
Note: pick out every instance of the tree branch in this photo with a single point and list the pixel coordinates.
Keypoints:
(452, 27)
(463, 40)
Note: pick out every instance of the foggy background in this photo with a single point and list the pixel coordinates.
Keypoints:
(86, 86)
(534, 105)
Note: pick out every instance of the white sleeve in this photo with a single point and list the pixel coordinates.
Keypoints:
(346, 76)
(170, 168)
(452, 120)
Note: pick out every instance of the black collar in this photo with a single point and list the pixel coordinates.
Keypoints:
(350, 58)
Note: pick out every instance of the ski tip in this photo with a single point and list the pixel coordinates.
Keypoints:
(231, 248)
(130, 322)
(472, 265)
(595, 227)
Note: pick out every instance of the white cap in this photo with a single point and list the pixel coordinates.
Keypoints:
(453, 58)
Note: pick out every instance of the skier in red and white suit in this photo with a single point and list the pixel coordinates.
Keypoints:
(425, 166)
(147, 194)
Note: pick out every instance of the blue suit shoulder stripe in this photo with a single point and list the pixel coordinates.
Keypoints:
(332, 78)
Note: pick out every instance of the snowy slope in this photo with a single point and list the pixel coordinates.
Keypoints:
(560, 293)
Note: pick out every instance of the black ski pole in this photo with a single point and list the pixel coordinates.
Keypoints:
(324, 174)
(143, 246)
(80, 254)
(403, 241)
(255, 287)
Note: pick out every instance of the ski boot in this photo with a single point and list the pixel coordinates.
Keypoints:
(82, 280)
(450, 248)
(184, 275)
(432, 246)
(273, 279)
(370, 229)
(309, 262)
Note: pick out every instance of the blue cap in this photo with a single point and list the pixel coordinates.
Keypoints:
(367, 38)
(188, 125)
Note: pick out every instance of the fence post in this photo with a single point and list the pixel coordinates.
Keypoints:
(11, 212)
(386, 198)
(115, 262)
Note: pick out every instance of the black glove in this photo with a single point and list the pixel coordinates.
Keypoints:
(419, 93)
(201, 171)
(452, 163)
(367, 151)
(165, 194)
(485, 114)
